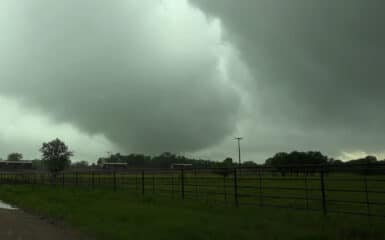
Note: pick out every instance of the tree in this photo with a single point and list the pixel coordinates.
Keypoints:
(15, 157)
(81, 164)
(295, 161)
(249, 164)
(228, 162)
(296, 158)
(56, 156)
(37, 164)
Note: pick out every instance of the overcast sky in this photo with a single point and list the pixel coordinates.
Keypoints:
(187, 76)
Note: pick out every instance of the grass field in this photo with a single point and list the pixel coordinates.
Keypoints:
(105, 214)
(343, 192)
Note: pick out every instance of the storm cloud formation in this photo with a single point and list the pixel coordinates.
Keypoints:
(128, 70)
(318, 69)
(188, 75)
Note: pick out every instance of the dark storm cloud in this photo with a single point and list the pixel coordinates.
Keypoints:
(124, 69)
(319, 69)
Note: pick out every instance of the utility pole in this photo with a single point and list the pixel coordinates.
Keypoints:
(239, 149)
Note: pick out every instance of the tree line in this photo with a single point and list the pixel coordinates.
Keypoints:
(163, 160)
(314, 158)
(56, 157)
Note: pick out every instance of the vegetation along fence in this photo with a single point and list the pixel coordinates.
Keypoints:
(357, 190)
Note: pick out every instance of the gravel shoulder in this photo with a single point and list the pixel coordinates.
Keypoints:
(18, 225)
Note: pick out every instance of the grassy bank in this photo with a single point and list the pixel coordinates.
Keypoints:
(121, 215)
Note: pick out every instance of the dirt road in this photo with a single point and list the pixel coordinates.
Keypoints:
(18, 225)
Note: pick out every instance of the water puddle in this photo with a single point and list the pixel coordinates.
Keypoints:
(6, 206)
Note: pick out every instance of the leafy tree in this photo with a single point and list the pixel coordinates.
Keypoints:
(56, 156)
(363, 161)
(228, 162)
(296, 162)
(37, 164)
(81, 164)
(249, 164)
(15, 157)
(366, 165)
(296, 158)
(163, 160)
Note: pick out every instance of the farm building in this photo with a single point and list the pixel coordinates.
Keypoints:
(114, 165)
(181, 166)
(15, 165)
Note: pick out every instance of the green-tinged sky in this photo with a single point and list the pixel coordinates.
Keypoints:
(186, 76)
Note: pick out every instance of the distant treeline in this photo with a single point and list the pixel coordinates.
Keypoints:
(282, 159)
(296, 158)
(163, 160)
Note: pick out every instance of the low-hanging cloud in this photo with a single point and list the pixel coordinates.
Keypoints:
(145, 74)
(22, 130)
(318, 69)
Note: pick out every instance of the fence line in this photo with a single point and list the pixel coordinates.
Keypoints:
(358, 191)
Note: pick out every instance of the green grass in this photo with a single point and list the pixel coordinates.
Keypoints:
(284, 191)
(105, 214)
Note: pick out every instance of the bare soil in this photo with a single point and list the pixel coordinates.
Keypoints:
(18, 225)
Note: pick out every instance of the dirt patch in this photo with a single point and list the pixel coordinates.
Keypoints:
(18, 225)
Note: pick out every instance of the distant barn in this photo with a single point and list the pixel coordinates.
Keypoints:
(114, 165)
(15, 165)
(181, 166)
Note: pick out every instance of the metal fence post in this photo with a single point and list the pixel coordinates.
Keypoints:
(306, 191)
(114, 180)
(367, 195)
(93, 179)
(136, 182)
(196, 185)
(62, 180)
(76, 178)
(143, 182)
(172, 186)
(236, 201)
(260, 189)
(182, 182)
(322, 176)
(224, 188)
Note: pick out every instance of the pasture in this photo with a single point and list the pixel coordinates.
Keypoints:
(104, 214)
(327, 192)
(206, 204)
